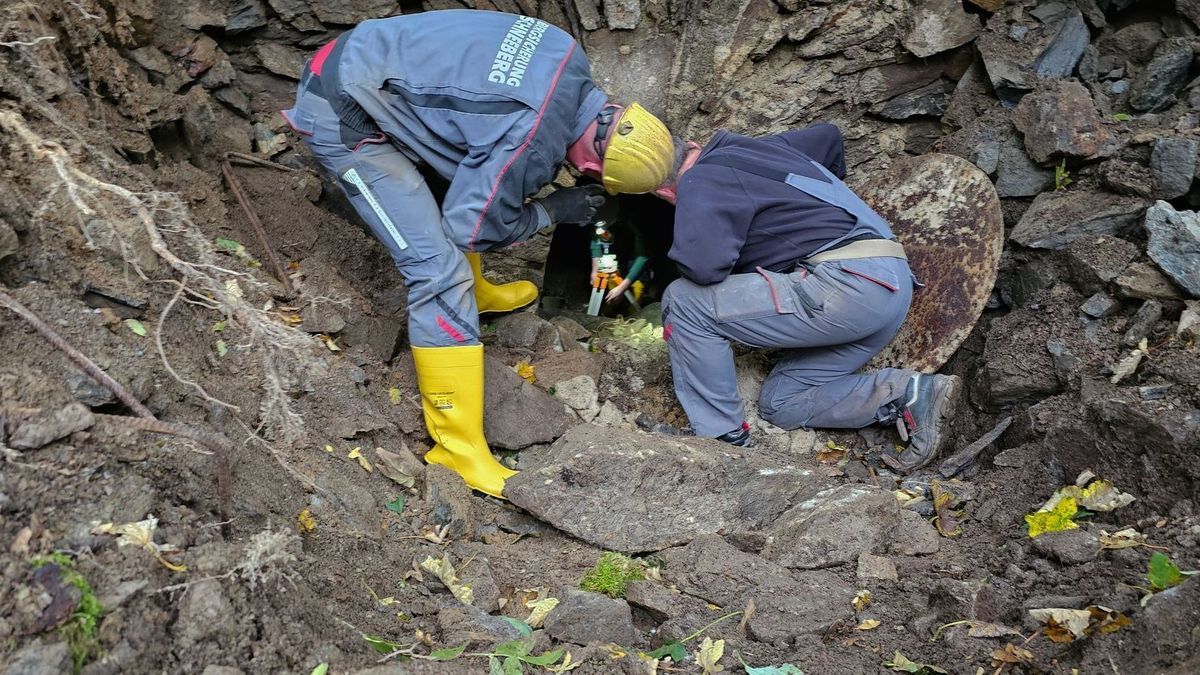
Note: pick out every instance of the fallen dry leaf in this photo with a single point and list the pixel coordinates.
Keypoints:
(832, 453)
(1063, 625)
(141, 534)
(861, 600)
(305, 522)
(540, 608)
(1126, 538)
(390, 465)
(947, 518)
(1011, 656)
(869, 624)
(449, 577)
(709, 654)
(1056, 519)
(356, 453)
(329, 343)
(526, 371)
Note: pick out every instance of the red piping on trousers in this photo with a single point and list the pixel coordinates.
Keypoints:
(450, 330)
(871, 278)
(373, 140)
(293, 126)
(771, 285)
(667, 331)
(318, 60)
(528, 139)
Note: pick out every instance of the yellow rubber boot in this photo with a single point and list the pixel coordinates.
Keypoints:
(451, 383)
(491, 297)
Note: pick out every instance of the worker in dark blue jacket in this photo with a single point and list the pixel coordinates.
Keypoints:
(775, 251)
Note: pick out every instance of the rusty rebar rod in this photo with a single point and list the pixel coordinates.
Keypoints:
(75, 355)
(251, 159)
(235, 187)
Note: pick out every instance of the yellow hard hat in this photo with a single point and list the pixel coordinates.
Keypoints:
(640, 154)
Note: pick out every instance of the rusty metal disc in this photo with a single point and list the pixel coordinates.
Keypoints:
(947, 214)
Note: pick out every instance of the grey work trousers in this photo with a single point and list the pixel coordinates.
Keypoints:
(392, 197)
(831, 319)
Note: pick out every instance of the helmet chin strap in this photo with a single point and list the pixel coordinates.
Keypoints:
(587, 152)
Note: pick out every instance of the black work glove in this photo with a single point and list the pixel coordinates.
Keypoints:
(573, 205)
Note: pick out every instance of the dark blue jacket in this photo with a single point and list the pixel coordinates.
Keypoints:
(729, 221)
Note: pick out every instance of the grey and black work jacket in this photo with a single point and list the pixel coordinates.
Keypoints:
(490, 101)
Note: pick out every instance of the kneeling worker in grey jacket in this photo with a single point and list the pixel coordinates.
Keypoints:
(495, 103)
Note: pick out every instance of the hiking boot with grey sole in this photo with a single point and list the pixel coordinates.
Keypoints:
(921, 418)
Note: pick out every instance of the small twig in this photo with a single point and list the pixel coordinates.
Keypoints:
(75, 355)
(251, 159)
(235, 187)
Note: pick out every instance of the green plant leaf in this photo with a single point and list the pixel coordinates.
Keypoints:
(512, 666)
(448, 653)
(1163, 573)
(321, 669)
(231, 245)
(545, 659)
(396, 505)
(495, 666)
(674, 650)
(901, 663)
(522, 627)
(515, 647)
(136, 326)
(381, 645)
(222, 348)
(219, 326)
(1122, 117)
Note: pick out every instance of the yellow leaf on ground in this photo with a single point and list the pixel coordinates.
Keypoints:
(356, 453)
(446, 574)
(540, 608)
(710, 653)
(869, 624)
(1057, 519)
(329, 449)
(394, 396)
(1106, 620)
(305, 522)
(861, 600)
(525, 370)
(329, 343)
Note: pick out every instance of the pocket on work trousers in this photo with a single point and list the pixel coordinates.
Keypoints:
(753, 295)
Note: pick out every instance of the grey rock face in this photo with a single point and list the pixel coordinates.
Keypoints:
(1142, 323)
(1070, 547)
(786, 605)
(245, 15)
(1145, 281)
(587, 618)
(1175, 244)
(964, 600)
(350, 12)
(938, 26)
(1055, 219)
(524, 330)
(834, 526)
(1093, 262)
(36, 658)
(47, 428)
(1155, 87)
(623, 14)
(281, 59)
(630, 491)
(518, 413)
(1173, 165)
(205, 614)
(1059, 120)
(469, 624)
(449, 499)
(1017, 175)
(1045, 50)
(1099, 305)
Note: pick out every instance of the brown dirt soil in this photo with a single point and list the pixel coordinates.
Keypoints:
(261, 593)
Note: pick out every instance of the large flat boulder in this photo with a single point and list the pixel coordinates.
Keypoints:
(833, 527)
(1055, 219)
(1059, 120)
(631, 491)
(1175, 244)
(786, 605)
